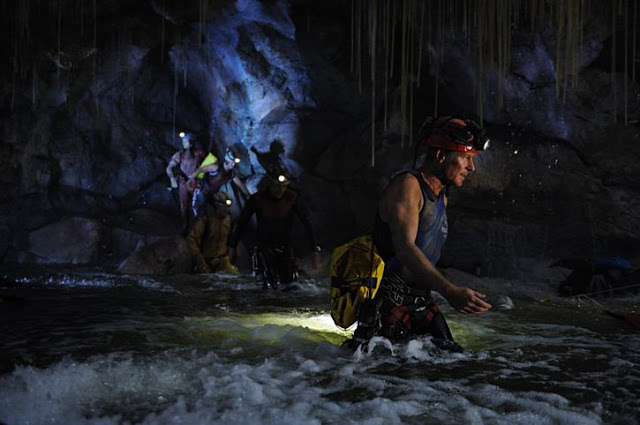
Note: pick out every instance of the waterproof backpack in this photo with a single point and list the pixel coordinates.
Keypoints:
(355, 274)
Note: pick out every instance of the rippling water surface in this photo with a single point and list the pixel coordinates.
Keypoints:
(94, 348)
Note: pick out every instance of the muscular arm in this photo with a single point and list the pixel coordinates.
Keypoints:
(400, 208)
(173, 162)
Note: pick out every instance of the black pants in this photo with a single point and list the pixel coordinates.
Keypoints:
(274, 266)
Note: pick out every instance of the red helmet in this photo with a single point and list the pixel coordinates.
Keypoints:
(455, 134)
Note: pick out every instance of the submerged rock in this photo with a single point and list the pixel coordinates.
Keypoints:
(163, 256)
(501, 302)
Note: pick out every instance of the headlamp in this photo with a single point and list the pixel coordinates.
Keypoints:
(282, 178)
(187, 136)
(480, 140)
(227, 201)
(231, 157)
(455, 134)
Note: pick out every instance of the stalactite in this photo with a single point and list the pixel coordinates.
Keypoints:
(499, 39)
(533, 8)
(465, 21)
(95, 38)
(81, 18)
(200, 21)
(372, 42)
(559, 37)
(387, 34)
(613, 61)
(393, 38)
(577, 31)
(490, 27)
(162, 30)
(411, 67)
(184, 74)
(490, 22)
(403, 71)
(14, 73)
(420, 43)
(567, 51)
(581, 25)
(23, 11)
(369, 12)
(59, 39)
(175, 103)
(634, 32)
(353, 24)
(479, 12)
(626, 61)
(34, 87)
(359, 46)
(437, 57)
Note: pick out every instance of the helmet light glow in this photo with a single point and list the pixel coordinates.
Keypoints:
(230, 156)
(282, 178)
(182, 134)
(228, 202)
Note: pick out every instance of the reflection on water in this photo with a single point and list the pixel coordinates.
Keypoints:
(90, 348)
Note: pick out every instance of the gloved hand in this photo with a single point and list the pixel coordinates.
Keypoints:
(174, 183)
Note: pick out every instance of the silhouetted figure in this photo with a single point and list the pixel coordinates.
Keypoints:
(601, 276)
(275, 206)
(208, 239)
(186, 161)
(214, 176)
(272, 157)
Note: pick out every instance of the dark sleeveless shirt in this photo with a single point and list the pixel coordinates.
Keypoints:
(432, 228)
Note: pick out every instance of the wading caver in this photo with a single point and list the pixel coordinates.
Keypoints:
(409, 231)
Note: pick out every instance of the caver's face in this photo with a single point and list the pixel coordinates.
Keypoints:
(277, 189)
(458, 165)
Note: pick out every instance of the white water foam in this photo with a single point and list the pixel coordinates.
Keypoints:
(279, 374)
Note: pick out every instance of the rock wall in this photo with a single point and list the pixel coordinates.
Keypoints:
(89, 126)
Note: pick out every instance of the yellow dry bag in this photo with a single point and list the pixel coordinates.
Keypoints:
(208, 160)
(355, 274)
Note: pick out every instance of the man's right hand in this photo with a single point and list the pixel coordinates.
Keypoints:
(174, 183)
(467, 301)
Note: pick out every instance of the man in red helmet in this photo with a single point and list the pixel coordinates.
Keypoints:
(409, 232)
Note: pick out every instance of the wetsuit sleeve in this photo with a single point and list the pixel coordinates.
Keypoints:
(303, 214)
(193, 243)
(244, 218)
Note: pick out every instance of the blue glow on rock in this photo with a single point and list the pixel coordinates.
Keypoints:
(248, 75)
